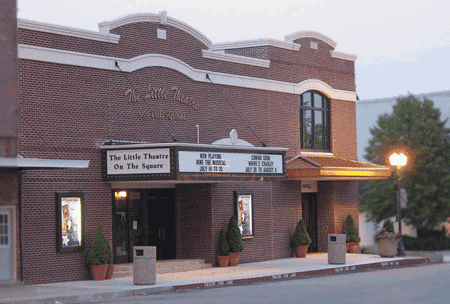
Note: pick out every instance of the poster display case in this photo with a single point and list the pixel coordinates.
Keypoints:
(243, 201)
(69, 221)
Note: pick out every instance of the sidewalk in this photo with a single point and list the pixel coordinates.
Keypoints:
(289, 268)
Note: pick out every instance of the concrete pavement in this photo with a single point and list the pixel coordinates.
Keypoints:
(289, 268)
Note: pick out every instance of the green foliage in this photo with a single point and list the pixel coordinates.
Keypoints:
(233, 235)
(300, 236)
(366, 251)
(389, 226)
(223, 246)
(100, 252)
(352, 230)
(416, 128)
(344, 231)
(428, 240)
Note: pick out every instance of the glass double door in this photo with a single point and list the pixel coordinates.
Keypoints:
(143, 218)
(309, 215)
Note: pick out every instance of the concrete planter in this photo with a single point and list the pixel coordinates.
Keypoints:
(387, 247)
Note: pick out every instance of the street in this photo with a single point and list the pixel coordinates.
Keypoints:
(421, 284)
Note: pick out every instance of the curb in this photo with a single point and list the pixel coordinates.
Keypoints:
(214, 284)
(306, 274)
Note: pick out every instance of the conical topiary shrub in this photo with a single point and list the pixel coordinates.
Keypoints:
(99, 255)
(222, 249)
(352, 234)
(234, 240)
(301, 236)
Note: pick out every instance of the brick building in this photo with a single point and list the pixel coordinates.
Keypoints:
(181, 134)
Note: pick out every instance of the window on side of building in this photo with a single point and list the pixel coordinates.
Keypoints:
(314, 121)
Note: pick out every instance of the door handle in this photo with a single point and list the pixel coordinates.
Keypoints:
(164, 233)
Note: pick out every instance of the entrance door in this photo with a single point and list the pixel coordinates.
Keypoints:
(309, 215)
(127, 224)
(160, 205)
(5, 246)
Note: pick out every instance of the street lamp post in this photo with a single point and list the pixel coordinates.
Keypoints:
(399, 161)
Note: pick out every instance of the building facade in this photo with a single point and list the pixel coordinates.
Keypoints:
(181, 134)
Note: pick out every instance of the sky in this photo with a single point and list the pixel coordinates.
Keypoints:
(402, 46)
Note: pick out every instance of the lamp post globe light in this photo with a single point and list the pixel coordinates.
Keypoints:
(399, 160)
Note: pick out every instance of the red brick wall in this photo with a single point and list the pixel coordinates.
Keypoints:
(343, 129)
(193, 222)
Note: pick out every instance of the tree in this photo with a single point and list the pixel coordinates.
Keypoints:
(416, 128)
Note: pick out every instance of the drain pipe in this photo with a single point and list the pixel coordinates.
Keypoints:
(198, 134)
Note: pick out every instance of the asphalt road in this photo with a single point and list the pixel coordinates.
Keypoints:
(420, 284)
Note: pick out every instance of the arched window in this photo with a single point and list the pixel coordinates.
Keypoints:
(315, 121)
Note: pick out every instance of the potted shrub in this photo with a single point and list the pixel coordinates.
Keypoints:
(300, 240)
(387, 240)
(98, 255)
(352, 235)
(234, 241)
(344, 231)
(223, 249)
(111, 267)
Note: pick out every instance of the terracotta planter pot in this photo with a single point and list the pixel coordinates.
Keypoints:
(110, 272)
(98, 272)
(387, 247)
(353, 247)
(223, 260)
(347, 247)
(234, 258)
(300, 251)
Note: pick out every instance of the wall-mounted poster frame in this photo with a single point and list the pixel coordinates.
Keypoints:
(69, 221)
(243, 208)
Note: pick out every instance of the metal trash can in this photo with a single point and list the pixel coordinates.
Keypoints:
(336, 248)
(144, 265)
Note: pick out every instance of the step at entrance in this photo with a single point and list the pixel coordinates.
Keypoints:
(163, 266)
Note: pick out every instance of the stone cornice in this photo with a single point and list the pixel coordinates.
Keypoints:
(344, 56)
(106, 26)
(255, 43)
(235, 58)
(66, 31)
(149, 60)
(311, 34)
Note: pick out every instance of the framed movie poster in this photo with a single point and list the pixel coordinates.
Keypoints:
(69, 221)
(244, 212)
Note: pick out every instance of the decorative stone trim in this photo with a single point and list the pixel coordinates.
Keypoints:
(66, 31)
(148, 60)
(344, 56)
(235, 58)
(310, 34)
(106, 26)
(255, 43)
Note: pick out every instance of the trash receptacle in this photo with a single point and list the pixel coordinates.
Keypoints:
(144, 265)
(336, 248)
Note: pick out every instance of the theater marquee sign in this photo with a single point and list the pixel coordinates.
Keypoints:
(191, 162)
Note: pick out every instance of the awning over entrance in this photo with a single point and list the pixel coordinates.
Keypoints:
(38, 163)
(328, 167)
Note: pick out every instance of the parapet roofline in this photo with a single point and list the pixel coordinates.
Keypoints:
(104, 34)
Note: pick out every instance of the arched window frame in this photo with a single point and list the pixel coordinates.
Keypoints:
(312, 109)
